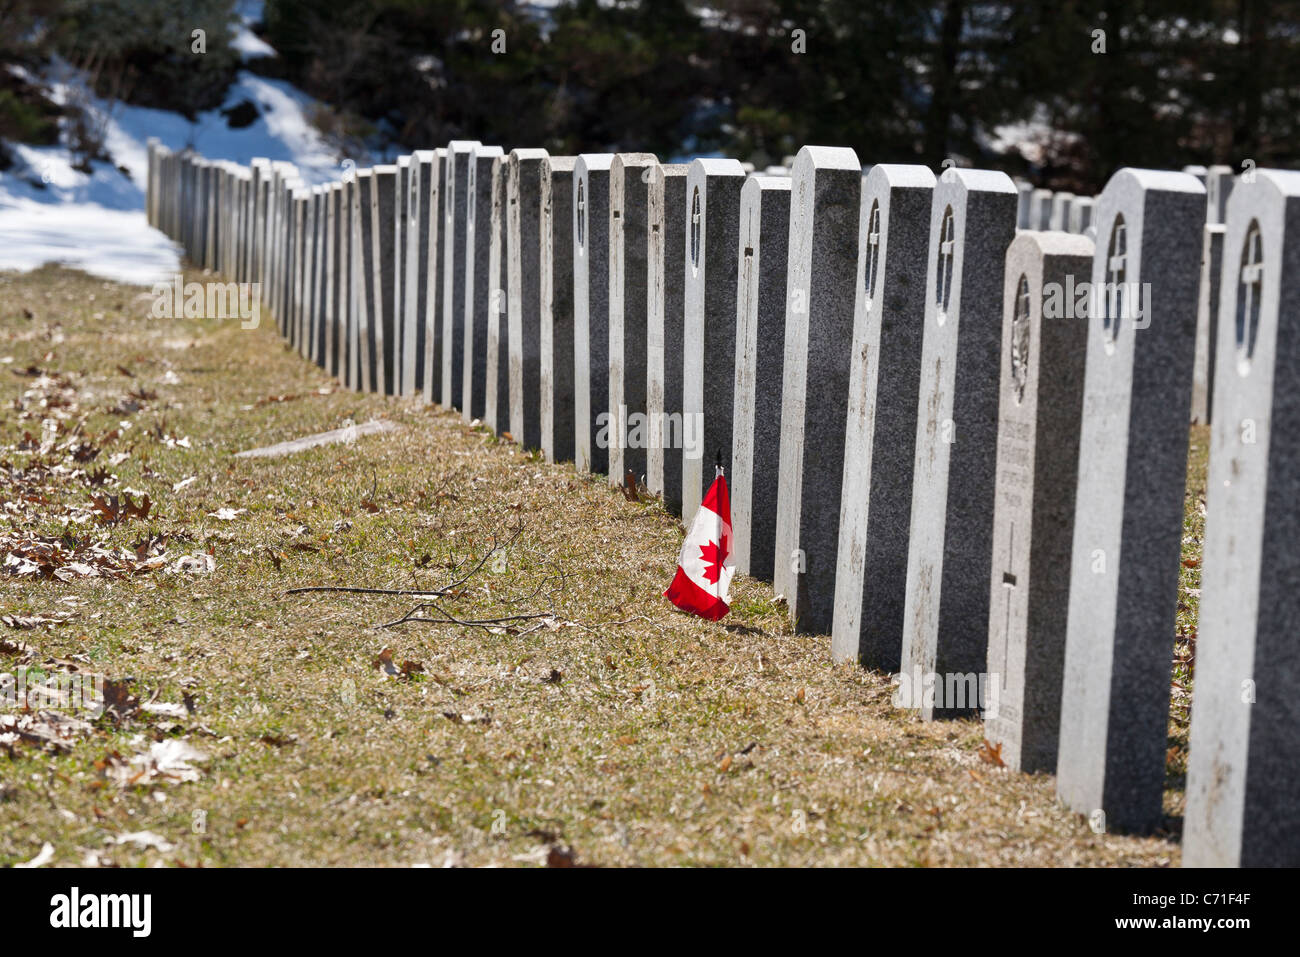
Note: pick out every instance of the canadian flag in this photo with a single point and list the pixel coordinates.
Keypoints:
(704, 568)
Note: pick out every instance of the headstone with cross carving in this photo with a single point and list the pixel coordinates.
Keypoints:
(946, 610)
(1207, 322)
(455, 217)
(1128, 523)
(825, 214)
(1243, 773)
(556, 348)
(478, 292)
(1039, 414)
(880, 435)
(496, 392)
(528, 170)
(760, 353)
(629, 194)
(712, 237)
(666, 304)
(591, 309)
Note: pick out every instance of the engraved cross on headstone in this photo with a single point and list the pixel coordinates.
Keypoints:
(873, 252)
(1252, 284)
(947, 242)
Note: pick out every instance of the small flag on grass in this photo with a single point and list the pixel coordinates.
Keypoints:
(704, 569)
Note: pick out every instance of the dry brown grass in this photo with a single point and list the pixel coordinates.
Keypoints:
(634, 735)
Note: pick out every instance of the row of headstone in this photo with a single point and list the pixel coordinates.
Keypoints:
(1044, 210)
(956, 444)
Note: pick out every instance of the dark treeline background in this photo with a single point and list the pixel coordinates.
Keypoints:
(1194, 81)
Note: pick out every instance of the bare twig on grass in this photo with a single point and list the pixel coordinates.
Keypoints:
(418, 592)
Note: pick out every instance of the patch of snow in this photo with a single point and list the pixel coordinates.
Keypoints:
(51, 212)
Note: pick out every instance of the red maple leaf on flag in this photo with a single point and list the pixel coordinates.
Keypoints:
(712, 556)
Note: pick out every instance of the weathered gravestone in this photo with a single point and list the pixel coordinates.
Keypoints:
(629, 199)
(880, 434)
(383, 210)
(1128, 523)
(316, 324)
(455, 216)
(478, 291)
(527, 171)
(1196, 170)
(825, 215)
(590, 308)
(946, 610)
(665, 317)
(496, 400)
(1044, 333)
(712, 237)
(556, 374)
(760, 353)
(431, 165)
(1243, 774)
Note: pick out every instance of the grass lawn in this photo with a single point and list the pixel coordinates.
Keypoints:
(612, 731)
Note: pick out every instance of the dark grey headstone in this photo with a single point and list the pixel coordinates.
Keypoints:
(1128, 524)
(496, 402)
(478, 293)
(1243, 774)
(1039, 415)
(557, 311)
(399, 267)
(946, 614)
(590, 308)
(383, 212)
(825, 216)
(665, 312)
(455, 215)
(527, 172)
(712, 238)
(629, 199)
(760, 354)
(369, 290)
(423, 270)
(880, 436)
